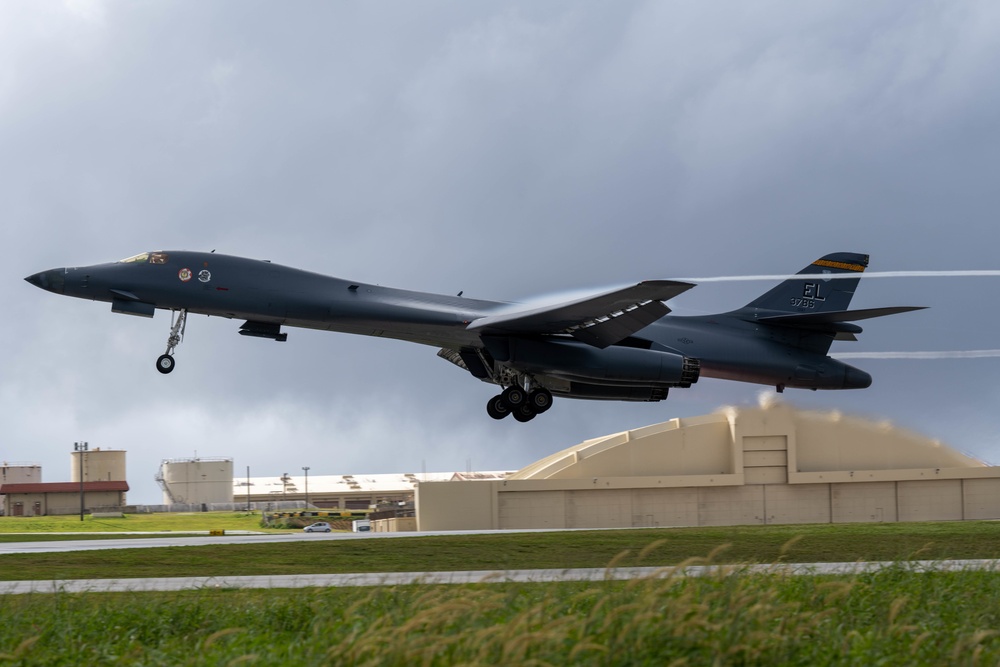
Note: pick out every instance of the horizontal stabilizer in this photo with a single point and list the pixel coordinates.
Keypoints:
(818, 320)
(600, 320)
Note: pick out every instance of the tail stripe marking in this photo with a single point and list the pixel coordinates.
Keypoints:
(839, 265)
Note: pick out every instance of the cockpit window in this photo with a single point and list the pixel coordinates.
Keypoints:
(146, 258)
(141, 258)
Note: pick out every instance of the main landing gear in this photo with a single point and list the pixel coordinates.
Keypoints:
(178, 321)
(524, 405)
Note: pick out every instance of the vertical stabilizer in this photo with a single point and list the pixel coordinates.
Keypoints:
(820, 294)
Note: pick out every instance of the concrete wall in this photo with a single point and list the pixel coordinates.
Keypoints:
(463, 505)
(457, 505)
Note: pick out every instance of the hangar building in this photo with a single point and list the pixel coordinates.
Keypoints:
(767, 465)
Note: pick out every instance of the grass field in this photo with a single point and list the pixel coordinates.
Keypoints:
(895, 617)
(892, 618)
(743, 544)
(174, 522)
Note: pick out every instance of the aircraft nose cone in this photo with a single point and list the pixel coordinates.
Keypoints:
(51, 280)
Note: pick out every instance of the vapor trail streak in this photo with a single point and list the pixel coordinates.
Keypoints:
(940, 354)
(975, 273)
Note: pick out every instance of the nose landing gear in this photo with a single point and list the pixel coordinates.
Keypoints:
(178, 322)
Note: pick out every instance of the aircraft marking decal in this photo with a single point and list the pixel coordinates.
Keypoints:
(810, 295)
(839, 265)
(184, 275)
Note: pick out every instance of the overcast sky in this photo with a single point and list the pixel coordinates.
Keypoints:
(504, 149)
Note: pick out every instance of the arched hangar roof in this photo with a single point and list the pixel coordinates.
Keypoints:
(711, 444)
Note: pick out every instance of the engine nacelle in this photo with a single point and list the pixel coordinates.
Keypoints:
(613, 365)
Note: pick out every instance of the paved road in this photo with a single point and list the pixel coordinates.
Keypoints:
(402, 578)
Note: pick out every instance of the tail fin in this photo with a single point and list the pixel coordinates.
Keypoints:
(798, 295)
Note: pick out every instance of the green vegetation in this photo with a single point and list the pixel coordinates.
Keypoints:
(746, 544)
(178, 522)
(895, 617)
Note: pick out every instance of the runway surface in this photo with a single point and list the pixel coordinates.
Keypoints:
(155, 540)
(503, 576)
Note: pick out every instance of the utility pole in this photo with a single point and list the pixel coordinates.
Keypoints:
(80, 448)
(306, 468)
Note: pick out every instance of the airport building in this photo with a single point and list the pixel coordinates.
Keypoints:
(17, 473)
(50, 498)
(766, 465)
(97, 481)
(342, 492)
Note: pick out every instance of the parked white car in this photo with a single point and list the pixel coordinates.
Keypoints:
(318, 527)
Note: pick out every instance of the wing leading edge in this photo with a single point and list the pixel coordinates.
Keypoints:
(600, 320)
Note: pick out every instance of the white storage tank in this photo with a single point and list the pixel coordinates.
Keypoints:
(20, 473)
(99, 465)
(196, 481)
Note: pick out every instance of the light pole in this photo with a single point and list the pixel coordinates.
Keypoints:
(80, 448)
(306, 469)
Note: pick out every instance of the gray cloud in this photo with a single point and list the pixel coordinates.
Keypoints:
(506, 151)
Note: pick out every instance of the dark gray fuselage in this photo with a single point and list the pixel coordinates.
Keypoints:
(730, 346)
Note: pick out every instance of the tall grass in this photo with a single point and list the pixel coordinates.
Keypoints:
(894, 617)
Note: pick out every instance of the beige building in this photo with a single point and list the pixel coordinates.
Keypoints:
(772, 464)
(47, 499)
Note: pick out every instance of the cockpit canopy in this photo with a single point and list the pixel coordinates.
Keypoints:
(146, 258)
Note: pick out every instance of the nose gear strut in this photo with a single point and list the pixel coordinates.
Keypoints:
(178, 321)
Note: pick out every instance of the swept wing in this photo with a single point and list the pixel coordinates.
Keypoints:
(600, 320)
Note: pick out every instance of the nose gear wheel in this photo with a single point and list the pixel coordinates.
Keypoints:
(178, 322)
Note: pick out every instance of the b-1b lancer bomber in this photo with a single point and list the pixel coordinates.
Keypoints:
(618, 345)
